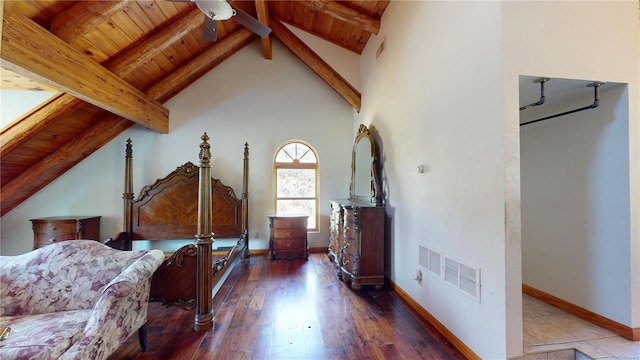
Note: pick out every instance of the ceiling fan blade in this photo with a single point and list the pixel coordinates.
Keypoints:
(210, 31)
(251, 23)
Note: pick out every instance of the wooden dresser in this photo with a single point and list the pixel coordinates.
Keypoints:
(356, 230)
(356, 242)
(288, 238)
(61, 228)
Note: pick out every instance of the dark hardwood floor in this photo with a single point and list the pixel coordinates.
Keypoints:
(278, 309)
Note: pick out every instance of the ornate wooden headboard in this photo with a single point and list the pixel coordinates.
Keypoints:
(168, 209)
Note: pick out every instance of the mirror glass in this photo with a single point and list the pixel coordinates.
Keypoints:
(362, 170)
(365, 186)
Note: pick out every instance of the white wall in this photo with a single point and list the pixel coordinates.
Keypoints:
(15, 103)
(575, 203)
(245, 99)
(445, 94)
(434, 97)
(595, 41)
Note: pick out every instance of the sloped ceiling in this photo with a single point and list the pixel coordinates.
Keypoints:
(116, 62)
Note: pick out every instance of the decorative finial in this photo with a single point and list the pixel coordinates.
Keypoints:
(128, 151)
(205, 152)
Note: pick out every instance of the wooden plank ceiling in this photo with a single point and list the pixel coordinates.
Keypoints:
(116, 62)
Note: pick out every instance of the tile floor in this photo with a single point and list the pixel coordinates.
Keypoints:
(547, 329)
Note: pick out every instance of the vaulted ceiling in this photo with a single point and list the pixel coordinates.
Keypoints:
(115, 63)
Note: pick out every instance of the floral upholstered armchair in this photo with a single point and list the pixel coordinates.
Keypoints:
(75, 299)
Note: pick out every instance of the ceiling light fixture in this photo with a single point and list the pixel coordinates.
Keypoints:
(216, 9)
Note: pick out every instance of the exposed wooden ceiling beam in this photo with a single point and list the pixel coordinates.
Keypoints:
(315, 62)
(32, 123)
(207, 60)
(61, 160)
(82, 17)
(64, 158)
(32, 51)
(263, 16)
(151, 47)
(345, 13)
(36, 120)
(12, 81)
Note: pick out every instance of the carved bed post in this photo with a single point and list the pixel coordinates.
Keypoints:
(245, 202)
(127, 196)
(204, 241)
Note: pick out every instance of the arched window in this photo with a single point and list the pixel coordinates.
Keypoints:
(296, 181)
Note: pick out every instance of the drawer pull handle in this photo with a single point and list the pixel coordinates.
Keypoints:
(53, 228)
(288, 234)
(288, 224)
(288, 244)
(52, 239)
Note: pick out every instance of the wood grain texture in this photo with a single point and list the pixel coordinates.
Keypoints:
(144, 51)
(83, 17)
(342, 12)
(181, 78)
(18, 132)
(30, 50)
(144, 44)
(262, 11)
(59, 161)
(293, 310)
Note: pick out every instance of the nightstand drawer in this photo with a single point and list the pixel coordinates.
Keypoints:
(291, 244)
(50, 238)
(56, 227)
(290, 223)
(50, 230)
(289, 233)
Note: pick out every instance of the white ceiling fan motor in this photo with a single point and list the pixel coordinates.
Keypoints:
(216, 9)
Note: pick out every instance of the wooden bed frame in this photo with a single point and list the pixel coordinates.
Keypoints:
(185, 204)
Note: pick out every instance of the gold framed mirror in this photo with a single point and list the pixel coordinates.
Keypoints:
(365, 185)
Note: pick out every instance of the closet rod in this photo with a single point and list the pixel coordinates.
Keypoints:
(596, 102)
(542, 98)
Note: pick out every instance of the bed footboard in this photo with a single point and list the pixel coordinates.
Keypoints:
(173, 284)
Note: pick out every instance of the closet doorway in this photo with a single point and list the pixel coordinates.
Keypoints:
(575, 197)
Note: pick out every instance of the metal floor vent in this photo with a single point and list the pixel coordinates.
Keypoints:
(462, 276)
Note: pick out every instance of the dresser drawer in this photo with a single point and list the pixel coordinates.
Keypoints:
(349, 230)
(348, 263)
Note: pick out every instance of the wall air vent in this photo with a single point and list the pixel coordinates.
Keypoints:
(462, 276)
(430, 259)
(451, 271)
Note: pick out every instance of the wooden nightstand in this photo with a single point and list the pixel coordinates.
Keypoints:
(288, 237)
(61, 228)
